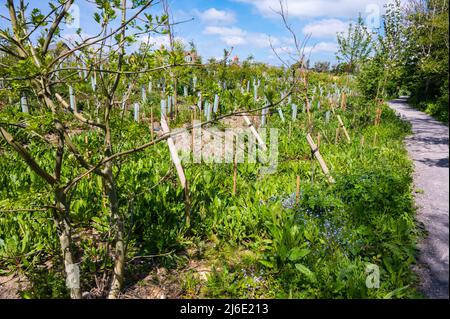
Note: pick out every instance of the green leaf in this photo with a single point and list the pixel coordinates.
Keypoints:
(395, 292)
(267, 263)
(97, 17)
(305, 270)
(298, 253)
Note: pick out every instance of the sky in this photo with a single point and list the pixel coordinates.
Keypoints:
(248, 26)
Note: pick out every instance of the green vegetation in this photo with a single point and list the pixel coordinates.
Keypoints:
(407, 56)
(316, 249)
(94, 186)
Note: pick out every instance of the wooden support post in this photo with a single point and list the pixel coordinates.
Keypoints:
(85, 139)
(151, 122)
(336, 138)
(255, 133)
(378, 116)
(193, 132)
(176, 161)
(343, 101)
(173, 153)
(308, 111)
(319, 158)
(297, 190)
(343, 128)
(235, 170)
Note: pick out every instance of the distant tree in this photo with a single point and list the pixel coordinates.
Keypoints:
(322, 66)
(226, 54)
(192, 46)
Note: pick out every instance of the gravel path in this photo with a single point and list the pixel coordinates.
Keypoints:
(428, 148)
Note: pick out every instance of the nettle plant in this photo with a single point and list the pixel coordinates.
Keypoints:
(40, 65)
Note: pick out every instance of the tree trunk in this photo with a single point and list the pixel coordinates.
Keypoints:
(118, 231)
(65, 238)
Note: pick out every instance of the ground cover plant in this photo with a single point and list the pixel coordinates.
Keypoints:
(91, 181)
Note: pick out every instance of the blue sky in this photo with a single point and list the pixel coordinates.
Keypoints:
(249, 26)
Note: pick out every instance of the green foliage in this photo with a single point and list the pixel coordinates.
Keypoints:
(411, 57)
(265, 243)
(355, 46)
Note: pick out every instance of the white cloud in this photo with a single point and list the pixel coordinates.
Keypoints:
(224, 31)
(325, 28)
(230, 36)
(262, 40)
(233, 40)
(234, 36)
(214, 16)
(329, 47)
(316, 8)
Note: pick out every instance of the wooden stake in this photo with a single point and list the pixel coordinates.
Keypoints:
(319, 158)
(151, 123)
(255, 133)
(336, 139)
(176, 161)
(343, 128)
(308, 111)
(193, 132)
(343, 101)
(235, 171)
(378, 116)
(173, 153)
(85, 139)
(318, 140)
(297, 190)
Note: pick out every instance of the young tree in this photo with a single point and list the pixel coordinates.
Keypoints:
(427, 51)
(355, 46)
(41, 70)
